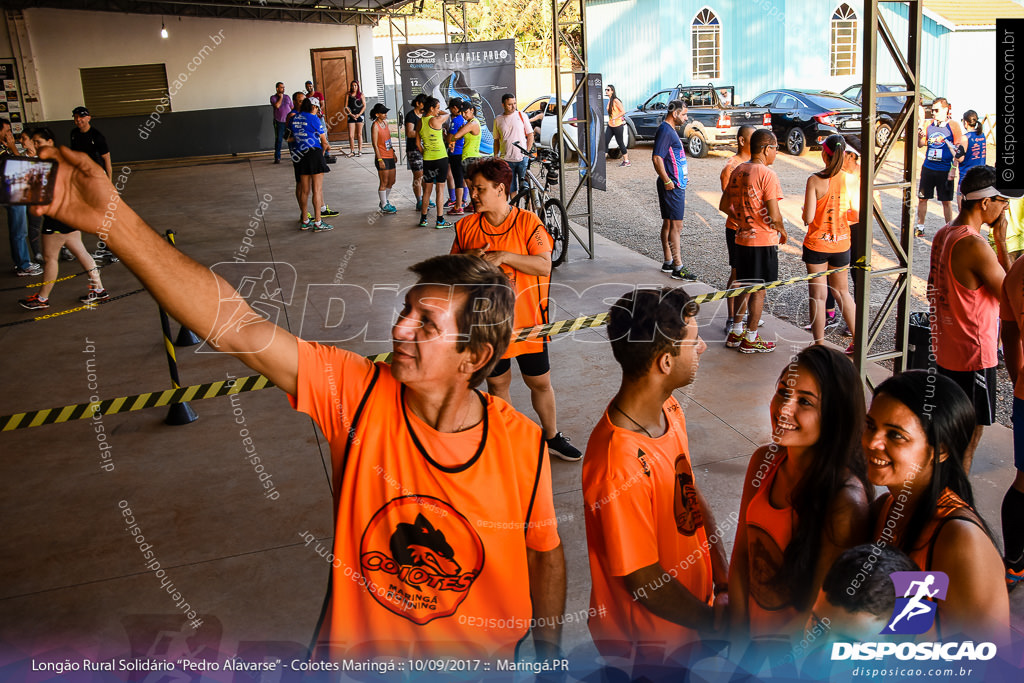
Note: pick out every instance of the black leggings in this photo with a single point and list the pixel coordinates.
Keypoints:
(617, 133)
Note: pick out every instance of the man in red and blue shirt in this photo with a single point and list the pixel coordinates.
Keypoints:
(670, 163)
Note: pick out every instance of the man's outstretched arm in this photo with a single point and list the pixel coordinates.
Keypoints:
(84, 198)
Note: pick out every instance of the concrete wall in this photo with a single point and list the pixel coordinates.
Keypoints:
(220, 72)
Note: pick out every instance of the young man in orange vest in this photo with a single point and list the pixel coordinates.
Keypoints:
(657, 558)
(408, 574)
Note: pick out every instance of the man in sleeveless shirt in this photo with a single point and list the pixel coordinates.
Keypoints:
(964, 284)
(657, 560)
(461, 557)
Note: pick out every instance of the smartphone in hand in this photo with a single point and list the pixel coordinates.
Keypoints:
(27, 180)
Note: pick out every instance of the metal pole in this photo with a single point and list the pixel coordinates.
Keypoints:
(177, 413)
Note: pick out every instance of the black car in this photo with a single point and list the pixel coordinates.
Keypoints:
(888, 107)
(804, 118)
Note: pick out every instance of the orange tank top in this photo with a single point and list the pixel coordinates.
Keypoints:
(769, 531)
(829, 232)
(964, 325)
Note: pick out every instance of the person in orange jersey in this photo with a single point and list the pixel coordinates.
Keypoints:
(657, 558)
(445, 537)
(516, 241)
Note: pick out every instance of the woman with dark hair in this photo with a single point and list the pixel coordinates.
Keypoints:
(971, 151)
(354, 109)
(616, 123)
(435, 159)
(828, 210)
(919, 425)
(804, 498)
(308, 161)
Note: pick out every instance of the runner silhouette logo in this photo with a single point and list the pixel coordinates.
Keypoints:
(917, 594)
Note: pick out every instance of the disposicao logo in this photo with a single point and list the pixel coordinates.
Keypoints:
(914, 614)
(916, 595)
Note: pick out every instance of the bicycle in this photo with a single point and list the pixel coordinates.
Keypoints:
(534, 196)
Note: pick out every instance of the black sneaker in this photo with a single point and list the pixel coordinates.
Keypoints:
(560, 446)
(66, 255)
(328, 212)
(682, 273)
(667, 267)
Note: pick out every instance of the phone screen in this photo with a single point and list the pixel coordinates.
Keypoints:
(27, 180)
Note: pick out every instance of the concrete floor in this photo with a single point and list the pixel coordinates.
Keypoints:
(74, 583)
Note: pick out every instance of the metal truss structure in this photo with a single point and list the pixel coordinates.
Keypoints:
(899, 235)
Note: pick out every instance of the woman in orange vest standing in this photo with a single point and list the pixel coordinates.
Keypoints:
(829, 208)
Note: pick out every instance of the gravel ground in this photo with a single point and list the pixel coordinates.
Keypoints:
(627, 214)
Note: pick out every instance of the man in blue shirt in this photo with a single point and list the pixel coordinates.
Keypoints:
(670, 164)
(941, 136)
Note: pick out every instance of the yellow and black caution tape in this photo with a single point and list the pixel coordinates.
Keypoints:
(76, 309)
(125, 404)
(49, 282)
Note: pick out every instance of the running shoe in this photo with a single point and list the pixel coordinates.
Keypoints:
(442, 224)
(757, 346)
(457, 211)
(328, 212)
(389, 208)
(734, 339)
(306, 224)
(423, 222)
(849, 349)
(560, 446)
(322, 227)
(682, 273)
(1013, 576)
(94, 296)
(831, 321)
(66, 255)
(33, 269)
(34, 303)
(625, 163)
(449, 204)
(419, 204)
(919, 231)
(433, 205)
(667, 267)
(103, 253)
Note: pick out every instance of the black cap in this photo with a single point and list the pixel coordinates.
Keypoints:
(80, 111)
(379, 108)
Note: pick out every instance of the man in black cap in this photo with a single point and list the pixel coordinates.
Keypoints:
(87, 139)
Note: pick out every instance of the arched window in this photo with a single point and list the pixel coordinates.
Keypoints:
(707, 46)
(843, 52)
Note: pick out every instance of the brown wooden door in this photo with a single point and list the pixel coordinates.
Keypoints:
(333, 70)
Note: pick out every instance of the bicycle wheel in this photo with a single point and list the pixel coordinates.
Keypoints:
(523, 200)
(557, 224)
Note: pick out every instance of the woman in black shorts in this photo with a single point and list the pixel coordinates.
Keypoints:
(54, 236)
(355, 108)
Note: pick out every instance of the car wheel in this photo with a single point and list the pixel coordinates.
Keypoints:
(796, 142)
(630, 137)
(882, 133)
(696, 146)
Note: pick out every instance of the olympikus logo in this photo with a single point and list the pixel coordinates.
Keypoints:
(420, 56)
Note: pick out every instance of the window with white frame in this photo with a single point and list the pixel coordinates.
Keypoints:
(843, 52)
(707, 45)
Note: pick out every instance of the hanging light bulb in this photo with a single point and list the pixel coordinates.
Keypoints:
(163, 29)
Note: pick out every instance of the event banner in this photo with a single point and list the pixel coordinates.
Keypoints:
(478, 72)
(592, 138)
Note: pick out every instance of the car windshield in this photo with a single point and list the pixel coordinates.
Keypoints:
(827, 102)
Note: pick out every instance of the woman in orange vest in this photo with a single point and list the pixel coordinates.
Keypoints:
(917, 429)
(616, 123)
(829, 209)
(804, 497)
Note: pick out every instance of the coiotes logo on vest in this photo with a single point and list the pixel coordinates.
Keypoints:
(420, 557)
(916, 595)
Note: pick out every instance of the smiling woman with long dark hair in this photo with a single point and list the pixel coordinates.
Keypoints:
(354, 108)
(804, 497)
(917, 430)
